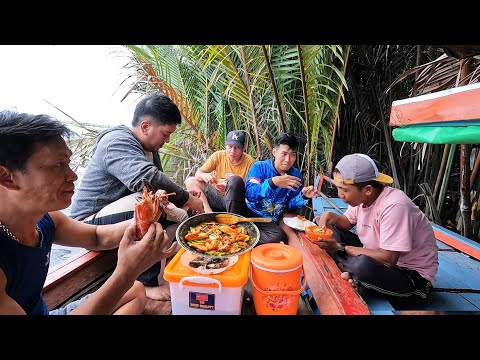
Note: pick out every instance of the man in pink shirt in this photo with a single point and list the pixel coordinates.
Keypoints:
(394, 251)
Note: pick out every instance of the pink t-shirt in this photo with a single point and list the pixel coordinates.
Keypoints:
(394, 222)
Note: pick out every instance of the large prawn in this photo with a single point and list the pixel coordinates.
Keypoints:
(149, 208)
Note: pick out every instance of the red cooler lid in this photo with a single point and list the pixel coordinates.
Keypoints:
(276, 256)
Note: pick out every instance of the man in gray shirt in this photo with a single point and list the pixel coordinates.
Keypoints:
(122, 157)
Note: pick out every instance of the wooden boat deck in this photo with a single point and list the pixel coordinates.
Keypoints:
(457, 289)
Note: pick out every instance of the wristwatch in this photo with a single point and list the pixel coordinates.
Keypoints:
(341, 250)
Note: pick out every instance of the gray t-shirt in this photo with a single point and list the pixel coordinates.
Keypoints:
(115, 170)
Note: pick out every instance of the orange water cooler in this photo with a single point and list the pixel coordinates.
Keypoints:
(275, 276)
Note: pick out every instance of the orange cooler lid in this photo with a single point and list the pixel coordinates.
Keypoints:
(234, 276)
(276, 257)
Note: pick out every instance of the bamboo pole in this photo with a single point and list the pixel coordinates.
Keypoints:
(476, 222)
(443, 189)
(430, 204)
(465, 202)
(474, 172)
(305, 105)
(387, 134)
(344, 71)
(281, 108)
(427, 162)
(250, 99)
(441, 171)
(465, 150)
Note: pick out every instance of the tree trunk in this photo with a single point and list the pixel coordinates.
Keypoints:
(281, 110)
(305, 104)
(465, 150)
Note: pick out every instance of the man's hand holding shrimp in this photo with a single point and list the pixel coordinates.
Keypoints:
(134, 257)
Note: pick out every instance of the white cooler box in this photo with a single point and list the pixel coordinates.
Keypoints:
(214, 294)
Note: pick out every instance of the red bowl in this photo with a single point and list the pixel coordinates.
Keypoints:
(315, 232)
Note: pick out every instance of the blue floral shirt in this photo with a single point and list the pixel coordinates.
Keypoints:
(266, 199)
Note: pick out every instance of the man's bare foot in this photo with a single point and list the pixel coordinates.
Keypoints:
(161, 292)
(155, 307)
(346, 276)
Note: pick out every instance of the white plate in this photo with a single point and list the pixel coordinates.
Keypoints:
(296, 223)
(189, 256)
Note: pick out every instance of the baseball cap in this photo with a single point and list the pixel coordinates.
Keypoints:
(235, 138)
(357, 168)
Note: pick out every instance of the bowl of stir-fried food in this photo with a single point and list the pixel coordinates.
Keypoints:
(202, 235)
(316, 232)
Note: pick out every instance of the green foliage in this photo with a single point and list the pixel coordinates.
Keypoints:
(228, 87)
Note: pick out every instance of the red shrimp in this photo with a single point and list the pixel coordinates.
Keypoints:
(145, 212)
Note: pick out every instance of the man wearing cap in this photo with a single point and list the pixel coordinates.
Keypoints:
(394, 251)
(211, 179)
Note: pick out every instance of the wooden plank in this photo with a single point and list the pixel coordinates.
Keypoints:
(448, 280)
(339, 202)
(332, 294)
(442, 246)
(320, 205)
(473, 298)
(442, 301)
(457, 241)
(460, 103)
(75, 263)
(467, 275)
(450, 274)
(70, 278)
(465, 261)
(330, 203)
(377, 304)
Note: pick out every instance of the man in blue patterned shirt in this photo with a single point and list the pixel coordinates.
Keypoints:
(272, 187)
